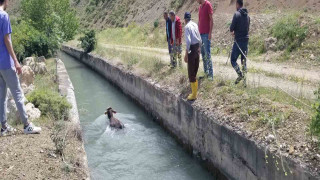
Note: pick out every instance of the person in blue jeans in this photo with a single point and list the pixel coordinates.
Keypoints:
(9, 68)
(168, 33)
(240, 30)
(205, 28)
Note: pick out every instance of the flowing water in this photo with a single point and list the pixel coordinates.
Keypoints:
(143, 150)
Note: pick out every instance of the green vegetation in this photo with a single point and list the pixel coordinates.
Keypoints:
(89, 41)
(177, 4)
(42, 27)
(50, 103)
(135, 35)
(156, 23)
(315, 123)
(46, 96)
(256, 44)
(289, 32)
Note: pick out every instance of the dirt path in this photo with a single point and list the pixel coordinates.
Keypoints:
(281, 72)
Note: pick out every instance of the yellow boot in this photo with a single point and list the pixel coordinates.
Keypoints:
(194, 88)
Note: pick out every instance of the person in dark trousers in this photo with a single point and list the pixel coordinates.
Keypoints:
(168, 32)
(205, 28)
(176, 35)
(192, 57)
(9, 68)
(240, 30)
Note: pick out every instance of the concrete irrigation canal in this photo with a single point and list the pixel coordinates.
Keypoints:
(143, 150)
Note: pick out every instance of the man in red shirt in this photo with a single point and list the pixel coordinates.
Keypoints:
(176, 35)
(205, 28)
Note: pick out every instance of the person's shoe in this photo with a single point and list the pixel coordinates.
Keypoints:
(8, 131)
(210, 78)
(194, 88)
(240, 78)
(32, 129)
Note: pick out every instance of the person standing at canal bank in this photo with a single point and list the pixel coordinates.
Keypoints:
(9, 68)
(168, 33)
(176, 35)
(205, 27)
(192, 57)
(240, 30)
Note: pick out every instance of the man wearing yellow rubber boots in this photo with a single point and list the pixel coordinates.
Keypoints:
(192, 57)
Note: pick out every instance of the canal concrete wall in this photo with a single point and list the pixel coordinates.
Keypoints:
(66, 89)
(228, 154)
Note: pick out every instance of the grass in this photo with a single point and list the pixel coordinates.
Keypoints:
(276, 75)
(155, 68)
(135, 35)
(289, 32)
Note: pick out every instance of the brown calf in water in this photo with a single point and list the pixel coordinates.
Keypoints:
(114, 122)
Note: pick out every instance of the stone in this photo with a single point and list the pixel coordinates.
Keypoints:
(13, 114)
(291, 150)
(270, 138)
(40, 68)
(312, 57)
(32, 112)
(270, 44)
(41, 59)
(27, 76)
(27, 89)
(28, 61)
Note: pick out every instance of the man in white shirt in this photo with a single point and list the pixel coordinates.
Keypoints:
(192, 57)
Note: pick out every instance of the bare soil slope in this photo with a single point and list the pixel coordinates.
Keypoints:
(104, 13)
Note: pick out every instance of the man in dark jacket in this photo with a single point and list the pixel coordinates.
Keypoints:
(176, 42)
(168, 32)
(240, 30)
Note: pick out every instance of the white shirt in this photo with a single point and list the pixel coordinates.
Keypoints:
(192, 34)
(174, 30)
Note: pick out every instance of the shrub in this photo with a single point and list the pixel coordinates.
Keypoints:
(88, 41)
(28, 41)
(289, 32)
(177, 4)
(256, 44)
(315, 123)
(50, 103)
(156, 23)
(43, 26)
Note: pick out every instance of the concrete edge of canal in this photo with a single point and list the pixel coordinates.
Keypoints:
(66, 89)
(227, 153)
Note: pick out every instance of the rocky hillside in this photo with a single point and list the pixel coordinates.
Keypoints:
(104, 13)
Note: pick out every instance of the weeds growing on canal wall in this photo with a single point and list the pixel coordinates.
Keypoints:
(315, 123)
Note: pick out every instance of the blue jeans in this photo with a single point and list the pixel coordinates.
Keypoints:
(235, 54)
(169, 47)
(9, 79)
(206, 55)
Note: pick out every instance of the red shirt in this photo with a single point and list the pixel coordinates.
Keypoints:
(178, 31)
(204, 21)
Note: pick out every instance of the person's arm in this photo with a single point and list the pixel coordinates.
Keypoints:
(179, 32)
(210, 12)
(188, 43)
(8, 44)
(211, 26)
(233, 24)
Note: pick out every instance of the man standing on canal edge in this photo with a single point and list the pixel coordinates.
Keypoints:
(240, 30)
(9, 68)
(168, 33)
(205, 28)
(176, 42)
(192, 57)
